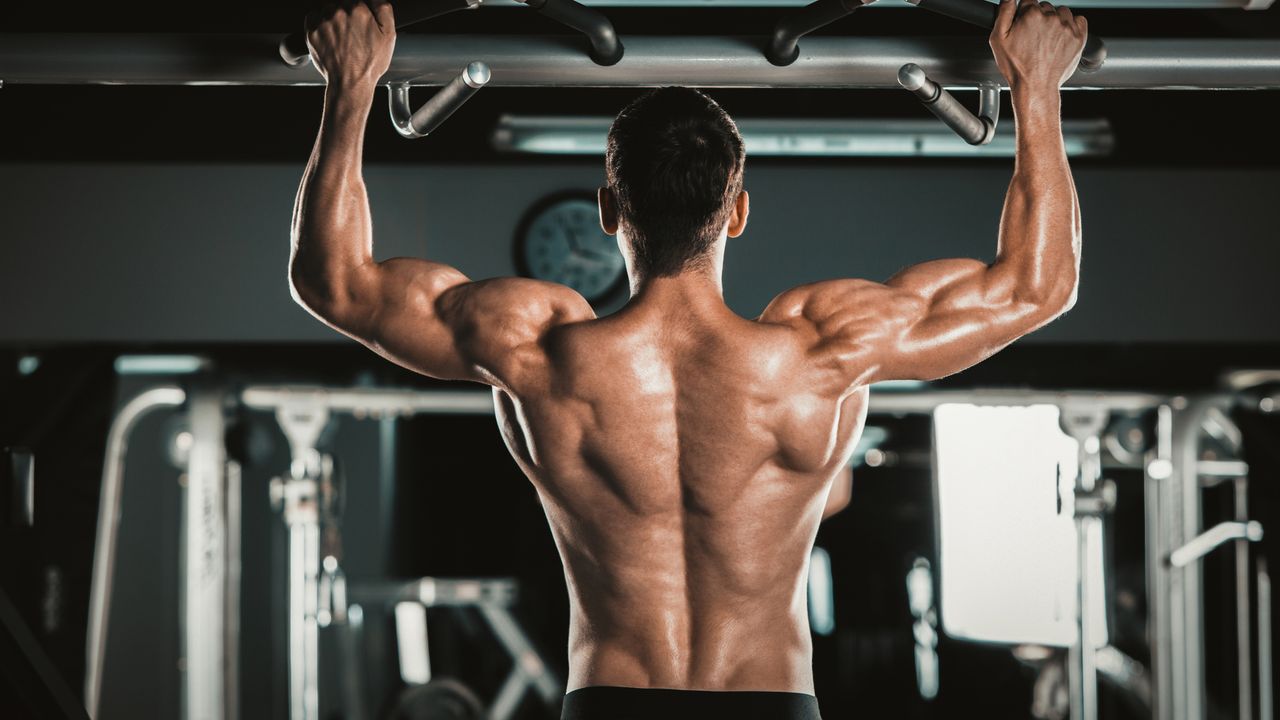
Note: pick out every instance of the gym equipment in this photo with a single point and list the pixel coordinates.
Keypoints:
(975, 130)
(605, 50)
(307, 497)
(102, 584)
(294, 50)
(651, 61)
(784, 45)
(421, 122)
(1175, 473)
(983, 14)
(440, 699)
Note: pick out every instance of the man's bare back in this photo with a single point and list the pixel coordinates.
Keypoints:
(684, 454)
(684, 462)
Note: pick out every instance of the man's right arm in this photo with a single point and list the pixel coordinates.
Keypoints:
(940, 317)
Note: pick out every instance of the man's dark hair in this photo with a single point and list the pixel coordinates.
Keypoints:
(674, 161)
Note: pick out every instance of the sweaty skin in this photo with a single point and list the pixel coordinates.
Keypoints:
(684, 454)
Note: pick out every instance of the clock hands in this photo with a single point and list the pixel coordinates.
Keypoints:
(580, 250)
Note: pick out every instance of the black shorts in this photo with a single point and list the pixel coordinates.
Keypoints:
(623, 703)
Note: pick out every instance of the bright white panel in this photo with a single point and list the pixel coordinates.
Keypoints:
(1005, 481)
(411, 642)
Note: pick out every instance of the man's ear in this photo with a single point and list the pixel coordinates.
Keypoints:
(738, 218)
(608, 210)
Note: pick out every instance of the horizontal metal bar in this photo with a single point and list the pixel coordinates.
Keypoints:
(394, 401)
(1204, 543)
(371, 401)
(1213, 472)
(432, 591)
(830, 62)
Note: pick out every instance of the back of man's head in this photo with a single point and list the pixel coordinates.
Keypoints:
(674, 161)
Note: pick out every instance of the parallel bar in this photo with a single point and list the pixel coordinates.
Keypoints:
(830, 62)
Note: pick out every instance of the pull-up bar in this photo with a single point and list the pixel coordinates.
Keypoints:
(650, 61)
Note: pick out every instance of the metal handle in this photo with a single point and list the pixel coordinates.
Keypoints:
(1205, 542)
(784, 45)
(423, 121)
(294, 50)
(606, 49)
(983, 14)
(974, 129)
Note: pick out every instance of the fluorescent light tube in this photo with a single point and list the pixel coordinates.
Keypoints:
(924, 137)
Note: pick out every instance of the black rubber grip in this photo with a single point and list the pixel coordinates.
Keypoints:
(294, 50)
(784, 45)
(983, 14)
(606, 49)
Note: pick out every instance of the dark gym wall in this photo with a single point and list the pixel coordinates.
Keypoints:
(135, 252)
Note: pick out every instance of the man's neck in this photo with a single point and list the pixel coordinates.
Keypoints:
(693, 289)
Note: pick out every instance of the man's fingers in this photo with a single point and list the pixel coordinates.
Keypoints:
(1004, 19)
(384, 14)
(1065, 15)
(1082, 25)
(1048, 8)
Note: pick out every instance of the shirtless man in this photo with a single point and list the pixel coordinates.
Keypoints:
(683, 454)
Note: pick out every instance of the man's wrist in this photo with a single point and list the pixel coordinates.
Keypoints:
(353, 94)
(344, 103)
(1036, 105)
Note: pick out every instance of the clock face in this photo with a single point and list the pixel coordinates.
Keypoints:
(562, 242)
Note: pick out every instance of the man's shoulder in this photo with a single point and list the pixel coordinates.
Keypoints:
(815, 303)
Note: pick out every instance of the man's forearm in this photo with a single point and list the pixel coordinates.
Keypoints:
(331, 225)
(1040, 227)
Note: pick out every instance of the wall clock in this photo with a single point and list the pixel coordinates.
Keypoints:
(560, 240)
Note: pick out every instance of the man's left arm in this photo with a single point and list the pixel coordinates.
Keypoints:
(423, 315)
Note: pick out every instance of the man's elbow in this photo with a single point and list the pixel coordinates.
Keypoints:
(321, 294)
(1061, 295)
(1048, 300)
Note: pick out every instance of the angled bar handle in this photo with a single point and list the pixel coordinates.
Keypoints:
(983, 14)
(1202, 544)
(784, 44)
(974, 129)
(423, 121)
(606, 48)
(294, 50)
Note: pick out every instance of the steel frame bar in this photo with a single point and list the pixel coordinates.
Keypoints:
(104, 548)
(392, 402)
(204, 562)
(559, 61)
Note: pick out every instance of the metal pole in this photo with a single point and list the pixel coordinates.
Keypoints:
(395, 402)
(104, 550)
(204, 562)
(1244, 645)
(1265, 692)
(1159, 467)
(558, 61)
